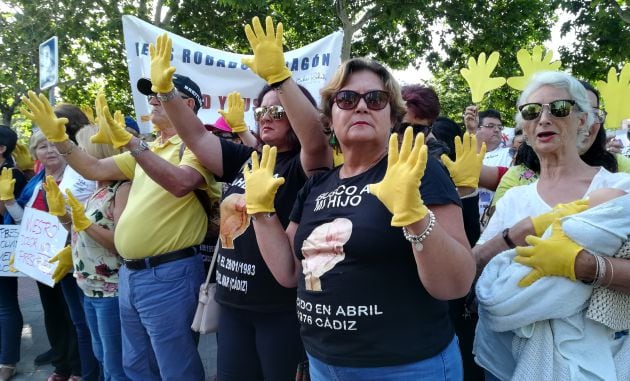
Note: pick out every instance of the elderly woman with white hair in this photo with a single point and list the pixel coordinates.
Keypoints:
(554, 111)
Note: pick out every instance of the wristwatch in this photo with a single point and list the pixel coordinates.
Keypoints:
(141, 147)
(167, 96)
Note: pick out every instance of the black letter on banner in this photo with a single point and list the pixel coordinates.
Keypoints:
(305, 63)
(209, 60)
(198, 57)
(232, 65)
(295, 65)
(326, 60)
(220, 63)
(186, 56)
(315, 61)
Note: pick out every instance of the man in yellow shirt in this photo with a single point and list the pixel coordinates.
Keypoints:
(157, 235)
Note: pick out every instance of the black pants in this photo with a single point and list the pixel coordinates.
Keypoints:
(60, 330)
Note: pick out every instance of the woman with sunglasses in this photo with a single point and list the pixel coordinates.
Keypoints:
(376, 246)
(554, 112)
(258, 329)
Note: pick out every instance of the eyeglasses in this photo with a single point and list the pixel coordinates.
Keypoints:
(559, 109)
(599, 114)
(348, 99)
(492, 126)
(276, 112)
(153, 96)
(417, 128)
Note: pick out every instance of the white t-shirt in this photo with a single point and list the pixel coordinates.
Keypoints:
(524, 201)
(499, 157)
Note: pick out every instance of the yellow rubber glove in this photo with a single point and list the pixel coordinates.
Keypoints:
(7, 185)
(268, 61)
(80, 222)
(161, 69)
(552, 256)
(109, 130)
(54, 198)
(478, 73)
(23, 159)
(466, 168)
(260, 185)
(89, 113)
(399, 190)
(542, 221)
(64, 257)
(43, 115)
(235, 114)
(532, 64)
(615, 95)
(11, 262)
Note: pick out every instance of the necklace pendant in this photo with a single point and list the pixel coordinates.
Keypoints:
(419, 246)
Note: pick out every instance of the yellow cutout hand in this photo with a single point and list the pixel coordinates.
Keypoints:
(532, 64)
(477, 74)
(615, 95)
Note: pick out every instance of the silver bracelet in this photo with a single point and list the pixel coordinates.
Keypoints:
(416, 240)
(267, 215)
(612, 272)
(601, 271)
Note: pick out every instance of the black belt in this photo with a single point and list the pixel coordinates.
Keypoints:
(145, 263)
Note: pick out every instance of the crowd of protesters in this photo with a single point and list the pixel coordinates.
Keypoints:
(434, 251)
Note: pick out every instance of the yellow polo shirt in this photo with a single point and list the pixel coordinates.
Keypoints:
(155, 221)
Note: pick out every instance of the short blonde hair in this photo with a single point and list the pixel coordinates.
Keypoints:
(99, 151)
(36, 137)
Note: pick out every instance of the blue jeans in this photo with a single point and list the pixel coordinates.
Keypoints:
(103, 317)
(90, 370)
(446, 365)
(10, 321)
(157, 306)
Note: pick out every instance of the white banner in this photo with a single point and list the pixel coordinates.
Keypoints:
(41, 237)
(218, 72)
(8, 241)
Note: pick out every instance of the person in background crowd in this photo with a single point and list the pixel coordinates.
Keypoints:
(258, 328)
(162, 270)
(342, 223)
(10, 315)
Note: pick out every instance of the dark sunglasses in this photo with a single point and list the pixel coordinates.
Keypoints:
(599, 114)
(348, 99)
(417, 128)
(560, 109)
(276, 112)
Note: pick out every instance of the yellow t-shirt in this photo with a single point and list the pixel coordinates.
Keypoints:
(155, 221)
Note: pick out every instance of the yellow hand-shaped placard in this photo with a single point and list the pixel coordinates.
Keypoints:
(477, 74)
(616, 95)
(532, 64)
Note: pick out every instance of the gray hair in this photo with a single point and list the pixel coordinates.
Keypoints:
(559, 80)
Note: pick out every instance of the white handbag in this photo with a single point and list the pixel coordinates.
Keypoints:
(206, 318)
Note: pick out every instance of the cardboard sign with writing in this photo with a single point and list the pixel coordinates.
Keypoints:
(8, 241)
(41, 237)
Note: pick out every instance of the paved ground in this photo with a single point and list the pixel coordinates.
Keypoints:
(34, 340)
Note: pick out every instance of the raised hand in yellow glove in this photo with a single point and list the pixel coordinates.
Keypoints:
(7, 184)
(532, 64)
(11, 262)
(109, 130)
(43, 115)
(260, 185)
(80, 222)
(54, 198)
(399, 190)
(552, 256)
(268, 61)
(466, 168)
(89, 113)
(542, 221)
(235, 114)
(64, 257)
(615, 94)
(478, 73)
(23, 159)
(161, 69)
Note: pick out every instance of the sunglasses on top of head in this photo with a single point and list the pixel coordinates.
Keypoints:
(348, 99)
(276, 112)
(560, 109)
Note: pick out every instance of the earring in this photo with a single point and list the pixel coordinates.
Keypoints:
(332, 140)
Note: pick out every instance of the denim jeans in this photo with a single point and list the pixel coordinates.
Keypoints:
(103, 317)
(90, 370)
(446, 365)
(10, 321)
(157, 306)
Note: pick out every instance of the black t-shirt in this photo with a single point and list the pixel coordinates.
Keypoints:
(364, 305)
(243, 279)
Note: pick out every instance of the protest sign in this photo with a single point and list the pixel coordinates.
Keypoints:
(218, 72)
(8, 241)
(41, 237)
